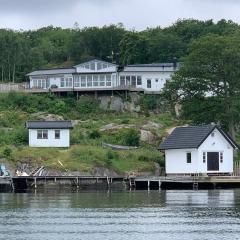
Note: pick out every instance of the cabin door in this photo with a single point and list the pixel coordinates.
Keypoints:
(213, 161)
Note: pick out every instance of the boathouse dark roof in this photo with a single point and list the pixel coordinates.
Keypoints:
(49, 124)
(192, 137)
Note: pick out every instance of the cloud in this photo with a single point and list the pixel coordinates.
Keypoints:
(139, 14)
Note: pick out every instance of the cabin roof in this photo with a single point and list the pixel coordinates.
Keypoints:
(192, 137)
(54, 71)
(49, 124)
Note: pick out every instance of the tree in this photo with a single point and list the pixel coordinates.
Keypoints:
(208, 83)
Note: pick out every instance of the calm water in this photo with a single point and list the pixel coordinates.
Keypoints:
(132, 215)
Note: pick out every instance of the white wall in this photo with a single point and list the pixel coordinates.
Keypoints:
(176, 161)
(217, 144)
(155, 85)
(64, 140)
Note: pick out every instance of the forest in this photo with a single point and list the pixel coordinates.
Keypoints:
(24, 51)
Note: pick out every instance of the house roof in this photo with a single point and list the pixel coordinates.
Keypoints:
(154, 65)
(192, 137)
(54, 71)
(49, 124)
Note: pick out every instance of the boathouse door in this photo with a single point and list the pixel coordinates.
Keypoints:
(213, 161)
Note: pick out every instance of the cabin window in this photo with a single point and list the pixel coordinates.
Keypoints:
(149, 83)
(204, 157)
(221, 157)
(139, 80)
(189, 157)
(42, 134)
(57, 134)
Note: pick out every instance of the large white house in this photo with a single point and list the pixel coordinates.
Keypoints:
(198, 150)
(96, 75)
(49, 133)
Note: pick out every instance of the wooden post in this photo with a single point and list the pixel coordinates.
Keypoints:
(148, 185)
(35, 182)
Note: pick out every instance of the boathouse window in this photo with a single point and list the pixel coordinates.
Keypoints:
(149, 83)
(42, 134)
(189, 157)
(204, 157)
(57, 134)
(221, 157)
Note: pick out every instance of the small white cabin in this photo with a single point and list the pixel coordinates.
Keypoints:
(49, 133)
(198, 150)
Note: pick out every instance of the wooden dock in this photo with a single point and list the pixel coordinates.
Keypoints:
(122, 182)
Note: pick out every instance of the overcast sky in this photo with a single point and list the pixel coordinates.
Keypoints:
(138, 14)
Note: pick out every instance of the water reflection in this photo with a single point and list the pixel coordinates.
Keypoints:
(134, 215)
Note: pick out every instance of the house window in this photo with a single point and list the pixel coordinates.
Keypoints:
(95, 80)
(139, 80)
(128, 80)
(57, 134)
(221, 157)
(108, 80)
(102, 80)
(149, 83)
(122, 80)
(42, 134)
(77, 82)
(212, 134)
(156, 80)
(89, 80)
(133, 81)
(83, 81)
(62, 82)
(204, 157)
(189, 157)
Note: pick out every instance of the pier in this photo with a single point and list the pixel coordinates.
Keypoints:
(19, 183)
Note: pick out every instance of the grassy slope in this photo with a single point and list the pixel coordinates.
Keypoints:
(88, 153)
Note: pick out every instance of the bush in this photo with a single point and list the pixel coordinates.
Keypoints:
(132, 138)
(94, 134)
(86, 105)
(7, 152)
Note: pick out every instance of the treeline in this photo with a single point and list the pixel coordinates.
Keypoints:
(24, 51)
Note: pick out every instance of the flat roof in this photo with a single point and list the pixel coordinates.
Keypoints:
(49, 124)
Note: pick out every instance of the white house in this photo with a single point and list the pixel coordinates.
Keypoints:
(97, 75)
(49, 133)
(198, 150)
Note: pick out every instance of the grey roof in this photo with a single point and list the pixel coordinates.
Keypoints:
(154, 65)
(49, 124)
(191, 137)
(54, 71)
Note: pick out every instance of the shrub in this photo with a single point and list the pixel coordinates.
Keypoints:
(132, 138)
(87, 105)
(7, 152)
(94, 134)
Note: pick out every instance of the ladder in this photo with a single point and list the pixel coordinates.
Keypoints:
(132, 183)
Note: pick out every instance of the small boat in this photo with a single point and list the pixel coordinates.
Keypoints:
(117, 147)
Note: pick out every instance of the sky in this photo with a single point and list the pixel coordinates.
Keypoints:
(134, 14)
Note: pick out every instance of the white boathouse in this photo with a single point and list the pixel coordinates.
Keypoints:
(203, 149)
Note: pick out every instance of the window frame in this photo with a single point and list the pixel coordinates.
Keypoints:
(42, 134)
(57, 131)
(189, 160)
